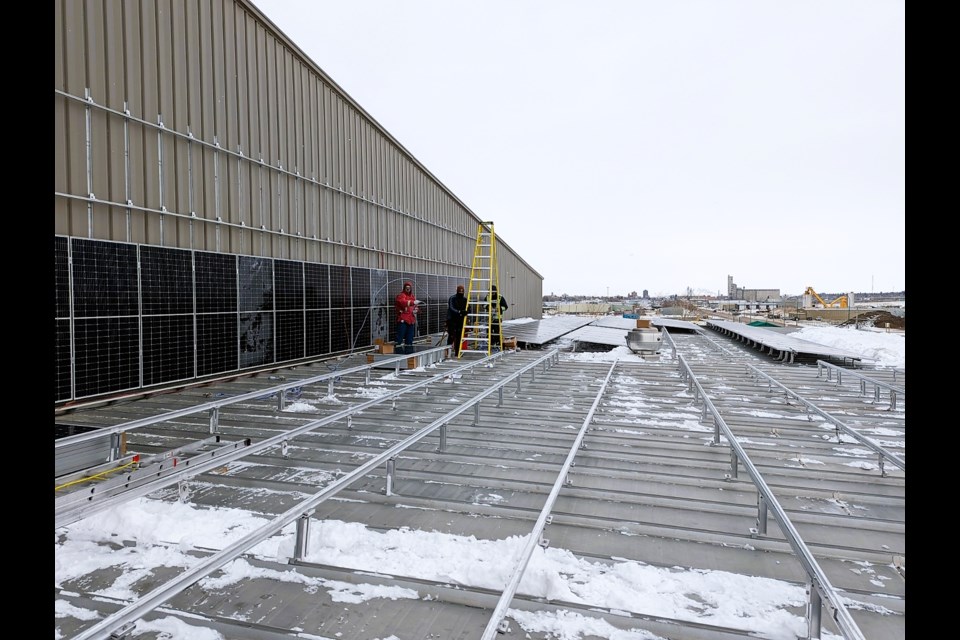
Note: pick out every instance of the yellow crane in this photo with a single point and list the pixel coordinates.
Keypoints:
(839, 301)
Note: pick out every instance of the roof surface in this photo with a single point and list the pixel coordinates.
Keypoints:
(651, 483)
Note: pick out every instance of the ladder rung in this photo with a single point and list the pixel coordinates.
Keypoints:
(480, 310)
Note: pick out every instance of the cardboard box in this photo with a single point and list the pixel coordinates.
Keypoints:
(643, 323)
(381, 347)
(510, 343)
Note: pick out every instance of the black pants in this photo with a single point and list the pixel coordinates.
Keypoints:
(495, 334)
(454, 328)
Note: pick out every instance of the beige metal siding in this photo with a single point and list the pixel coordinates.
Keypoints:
(197, 125)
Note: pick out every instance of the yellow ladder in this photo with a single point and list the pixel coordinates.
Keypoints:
(483, 308)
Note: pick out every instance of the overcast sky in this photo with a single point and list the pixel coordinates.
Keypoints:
(623, 145)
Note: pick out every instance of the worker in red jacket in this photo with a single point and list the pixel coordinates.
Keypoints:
(406, 306)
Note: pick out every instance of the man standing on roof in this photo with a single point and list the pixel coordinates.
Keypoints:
(406, 305)
(499, 305)
(456, 313)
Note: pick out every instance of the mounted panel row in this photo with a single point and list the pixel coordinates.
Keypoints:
(131, 316)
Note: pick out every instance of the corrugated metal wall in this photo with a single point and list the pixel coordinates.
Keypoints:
(195, 125)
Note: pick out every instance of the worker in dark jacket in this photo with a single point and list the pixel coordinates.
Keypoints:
(499, 305)
(456, 314)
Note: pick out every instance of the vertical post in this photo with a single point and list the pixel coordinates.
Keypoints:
(761, 515)
(114, 446)
(88, 135)
(443, 438)
(303, 537)
(214, 419)
(240, 160)
(813, 612)
(160, 168)
(127, 168)
(391, 465)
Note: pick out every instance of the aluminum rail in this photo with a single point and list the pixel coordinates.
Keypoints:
(142, 470)
(837, 423)
(864, 380)
(495, 623)
(150, 601)
(709, 338)
(214, 406)
(820, 584)
(667, 338)
(66, 514)
(217, 404)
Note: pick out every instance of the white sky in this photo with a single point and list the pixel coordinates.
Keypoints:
(166, 532)
(634, 144)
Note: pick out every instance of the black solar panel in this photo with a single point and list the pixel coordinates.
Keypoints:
(217, 343)
(145, 315)
(166, 280)
(167, 348)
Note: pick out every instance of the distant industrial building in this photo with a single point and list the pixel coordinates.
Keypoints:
(752, 295)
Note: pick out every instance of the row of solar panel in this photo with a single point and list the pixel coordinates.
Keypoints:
(129, 316)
